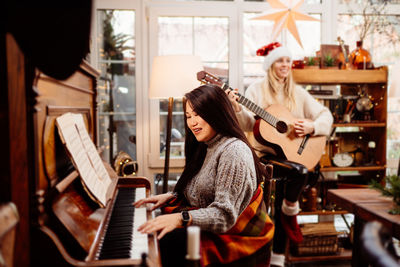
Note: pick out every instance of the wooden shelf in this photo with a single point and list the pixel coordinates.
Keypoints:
(336, 76)
(359, 168)
(360, 124)
(323, 212)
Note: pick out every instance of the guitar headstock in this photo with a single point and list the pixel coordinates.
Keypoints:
(208, 78)
(340, 40)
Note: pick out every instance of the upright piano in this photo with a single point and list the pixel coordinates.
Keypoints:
(70, 227)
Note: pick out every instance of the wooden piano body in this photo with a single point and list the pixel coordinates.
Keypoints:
(68, 225)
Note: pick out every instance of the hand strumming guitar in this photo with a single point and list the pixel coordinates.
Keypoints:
(303, 127)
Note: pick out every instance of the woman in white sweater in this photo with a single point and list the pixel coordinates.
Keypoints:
(277, 87)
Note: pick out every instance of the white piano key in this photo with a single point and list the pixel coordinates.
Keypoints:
(139, 243)
(140, 193)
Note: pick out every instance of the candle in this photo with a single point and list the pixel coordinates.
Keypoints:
(193, 243)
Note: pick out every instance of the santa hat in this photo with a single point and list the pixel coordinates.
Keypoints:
(272, 52)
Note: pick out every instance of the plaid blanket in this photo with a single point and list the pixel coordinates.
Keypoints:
(253, 230)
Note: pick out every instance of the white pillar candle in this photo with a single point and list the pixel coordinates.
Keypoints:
(193, 243)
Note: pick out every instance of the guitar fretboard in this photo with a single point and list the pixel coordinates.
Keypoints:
(268, 117)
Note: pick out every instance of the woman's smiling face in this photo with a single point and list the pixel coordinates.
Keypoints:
(282, 67)
(199, 127)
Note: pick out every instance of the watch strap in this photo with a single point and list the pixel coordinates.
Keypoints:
(185, 218)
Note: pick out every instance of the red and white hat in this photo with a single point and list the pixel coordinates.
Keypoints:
(272, 52)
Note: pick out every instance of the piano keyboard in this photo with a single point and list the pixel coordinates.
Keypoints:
(122, 240)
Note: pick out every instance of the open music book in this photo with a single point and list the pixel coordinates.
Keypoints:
(84, 155)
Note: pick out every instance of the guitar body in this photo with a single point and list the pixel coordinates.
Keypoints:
(287, 144)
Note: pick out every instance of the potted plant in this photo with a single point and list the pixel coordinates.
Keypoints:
(329, 61)
(392, 189)
(311, 62)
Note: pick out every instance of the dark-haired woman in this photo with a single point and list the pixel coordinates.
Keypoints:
(220, 190)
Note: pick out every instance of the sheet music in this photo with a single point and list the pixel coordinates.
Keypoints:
(84, 154)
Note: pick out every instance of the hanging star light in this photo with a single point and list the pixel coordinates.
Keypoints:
(285, 16)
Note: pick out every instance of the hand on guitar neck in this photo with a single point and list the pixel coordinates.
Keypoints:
(233, 97)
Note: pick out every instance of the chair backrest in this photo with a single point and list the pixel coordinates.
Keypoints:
(8, 221)
(268, 183)
(377, 246)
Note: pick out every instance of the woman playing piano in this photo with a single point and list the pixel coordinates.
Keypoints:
(220, 190)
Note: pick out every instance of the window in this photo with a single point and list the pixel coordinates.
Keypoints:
(117, 88)
(117, 54)
(204, 36)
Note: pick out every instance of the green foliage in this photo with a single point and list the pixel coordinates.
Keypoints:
(392, 189)
(329, 61)
(311, 61)
(113, 43)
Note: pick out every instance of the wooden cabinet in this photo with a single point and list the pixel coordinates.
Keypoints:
(363, 95)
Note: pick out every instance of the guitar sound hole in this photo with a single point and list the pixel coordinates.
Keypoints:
(281, 126)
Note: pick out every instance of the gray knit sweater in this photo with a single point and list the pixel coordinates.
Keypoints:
(224, 186)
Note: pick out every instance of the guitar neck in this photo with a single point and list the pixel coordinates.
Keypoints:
(268, 117)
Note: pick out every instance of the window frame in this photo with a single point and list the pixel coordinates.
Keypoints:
(185, 9)
(137, 6)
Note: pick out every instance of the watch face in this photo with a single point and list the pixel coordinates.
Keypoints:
(185, 217)
(343, 159)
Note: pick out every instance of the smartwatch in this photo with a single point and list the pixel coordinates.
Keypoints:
(185, 218)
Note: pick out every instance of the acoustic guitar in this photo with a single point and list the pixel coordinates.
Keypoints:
(275, 129)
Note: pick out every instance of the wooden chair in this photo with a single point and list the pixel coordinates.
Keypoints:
(268, 185)
(8, 221)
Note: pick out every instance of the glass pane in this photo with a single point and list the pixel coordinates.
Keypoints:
(178, 129)
(393, 130)
(117, 83)
(206, 37)
(172, 180)
(310, 37)
(204, 0)
(392, 2)
(306, 1)
(116, 38)
(175, 35)
(256, 34)
(382, 41)
(211, 38)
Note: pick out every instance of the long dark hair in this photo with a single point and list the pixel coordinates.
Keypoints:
(212, 104)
